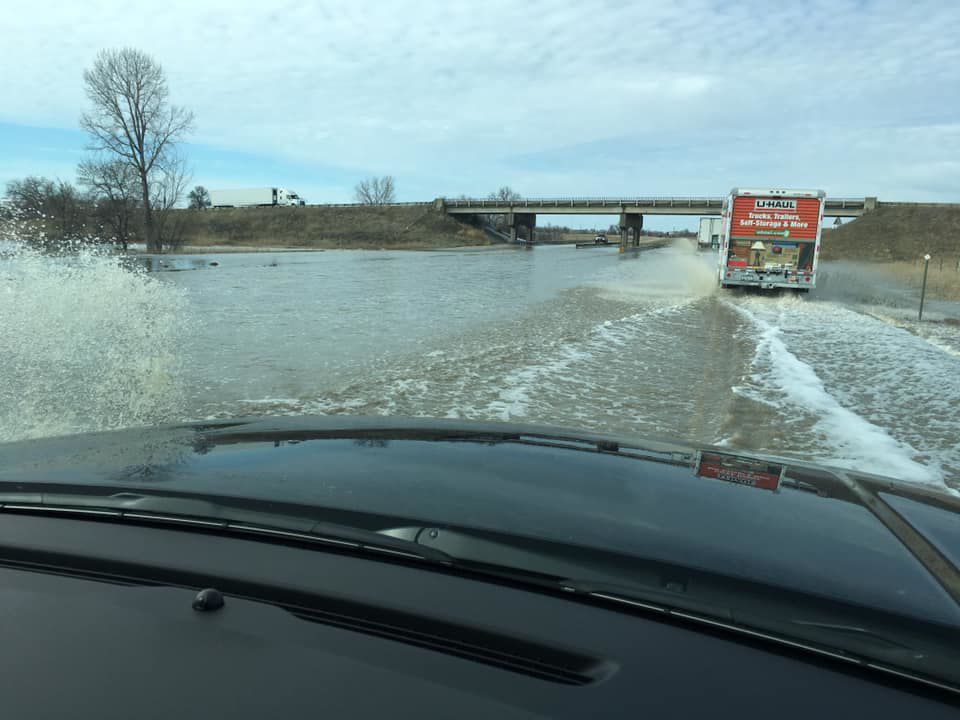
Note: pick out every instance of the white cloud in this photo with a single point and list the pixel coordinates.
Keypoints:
(452, 97)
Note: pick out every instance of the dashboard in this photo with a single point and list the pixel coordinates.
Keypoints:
(98, 621)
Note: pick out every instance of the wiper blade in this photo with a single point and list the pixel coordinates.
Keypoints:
(911, 648)
(854, 631)
(201, 514)
(585, 572)
(428, 429)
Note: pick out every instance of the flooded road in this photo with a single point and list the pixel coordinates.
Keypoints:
(628, 344)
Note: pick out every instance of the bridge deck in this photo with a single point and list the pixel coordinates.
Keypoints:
(835, 207)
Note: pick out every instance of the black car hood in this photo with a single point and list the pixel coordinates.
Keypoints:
(782, 521)
(173, 450)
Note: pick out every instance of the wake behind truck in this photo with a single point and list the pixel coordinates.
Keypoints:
(254, 197)
(771, 238)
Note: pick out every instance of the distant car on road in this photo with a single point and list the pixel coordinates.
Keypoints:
(600, 239)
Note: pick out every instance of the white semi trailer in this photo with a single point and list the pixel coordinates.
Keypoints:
(253, 197)
(711, 228)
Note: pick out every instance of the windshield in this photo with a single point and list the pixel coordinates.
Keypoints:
(751, 247)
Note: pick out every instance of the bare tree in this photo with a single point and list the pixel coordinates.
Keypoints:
(114, 188)
(505, 195)
(166, 191)
(376, 191)
(198, 198)
(132, 119)
(31, 195)
(69, 209)
(53, 205)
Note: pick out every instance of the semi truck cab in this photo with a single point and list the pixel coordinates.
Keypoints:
(288, 197)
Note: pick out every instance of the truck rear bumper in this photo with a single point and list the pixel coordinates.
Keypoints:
(767, 281)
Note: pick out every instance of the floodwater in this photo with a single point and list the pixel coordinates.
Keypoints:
(634, 344)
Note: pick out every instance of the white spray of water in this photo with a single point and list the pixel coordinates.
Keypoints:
(676, 272)
(850, 440)
(86, 344)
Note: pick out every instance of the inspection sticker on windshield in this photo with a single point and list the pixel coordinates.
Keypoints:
(740, 470)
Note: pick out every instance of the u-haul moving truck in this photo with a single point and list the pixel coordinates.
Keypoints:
(772, 238)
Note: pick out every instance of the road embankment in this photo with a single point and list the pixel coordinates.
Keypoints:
(893, 240)
(900, 232)
(414, 227)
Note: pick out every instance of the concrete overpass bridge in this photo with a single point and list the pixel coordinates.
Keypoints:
(521, 214)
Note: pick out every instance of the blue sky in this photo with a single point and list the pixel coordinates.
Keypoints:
(551, 98)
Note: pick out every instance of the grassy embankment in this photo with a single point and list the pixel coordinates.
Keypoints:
(894, 239)
(306, 228)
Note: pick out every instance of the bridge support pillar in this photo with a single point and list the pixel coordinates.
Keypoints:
(630, 222)
(524, 221)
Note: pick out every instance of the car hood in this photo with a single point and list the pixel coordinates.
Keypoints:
(782, 521)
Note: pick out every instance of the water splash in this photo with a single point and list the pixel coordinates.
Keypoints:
(86, 343)
(677, 271)
(808, 359)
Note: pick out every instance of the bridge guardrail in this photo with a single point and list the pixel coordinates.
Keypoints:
(615, 202)
(487, 202)
(648, 201)
(344, 205)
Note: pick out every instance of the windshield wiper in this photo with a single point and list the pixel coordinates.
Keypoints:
(858, 632)
(921, 650)
(207, 515)
(428, 429)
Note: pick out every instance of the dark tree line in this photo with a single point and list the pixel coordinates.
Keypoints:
(51, 211)
(103, 207)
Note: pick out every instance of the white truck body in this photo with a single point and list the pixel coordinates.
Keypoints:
(711, 228)
(771, 238)
(252, 197)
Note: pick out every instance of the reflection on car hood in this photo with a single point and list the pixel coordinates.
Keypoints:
(791, 523)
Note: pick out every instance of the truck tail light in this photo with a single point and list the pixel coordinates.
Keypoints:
(806, 279)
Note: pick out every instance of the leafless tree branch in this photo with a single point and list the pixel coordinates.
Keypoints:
(376, 191)
(113, 186)
(505, 195)
(132, 119)
(166, 191)
(54, 205)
